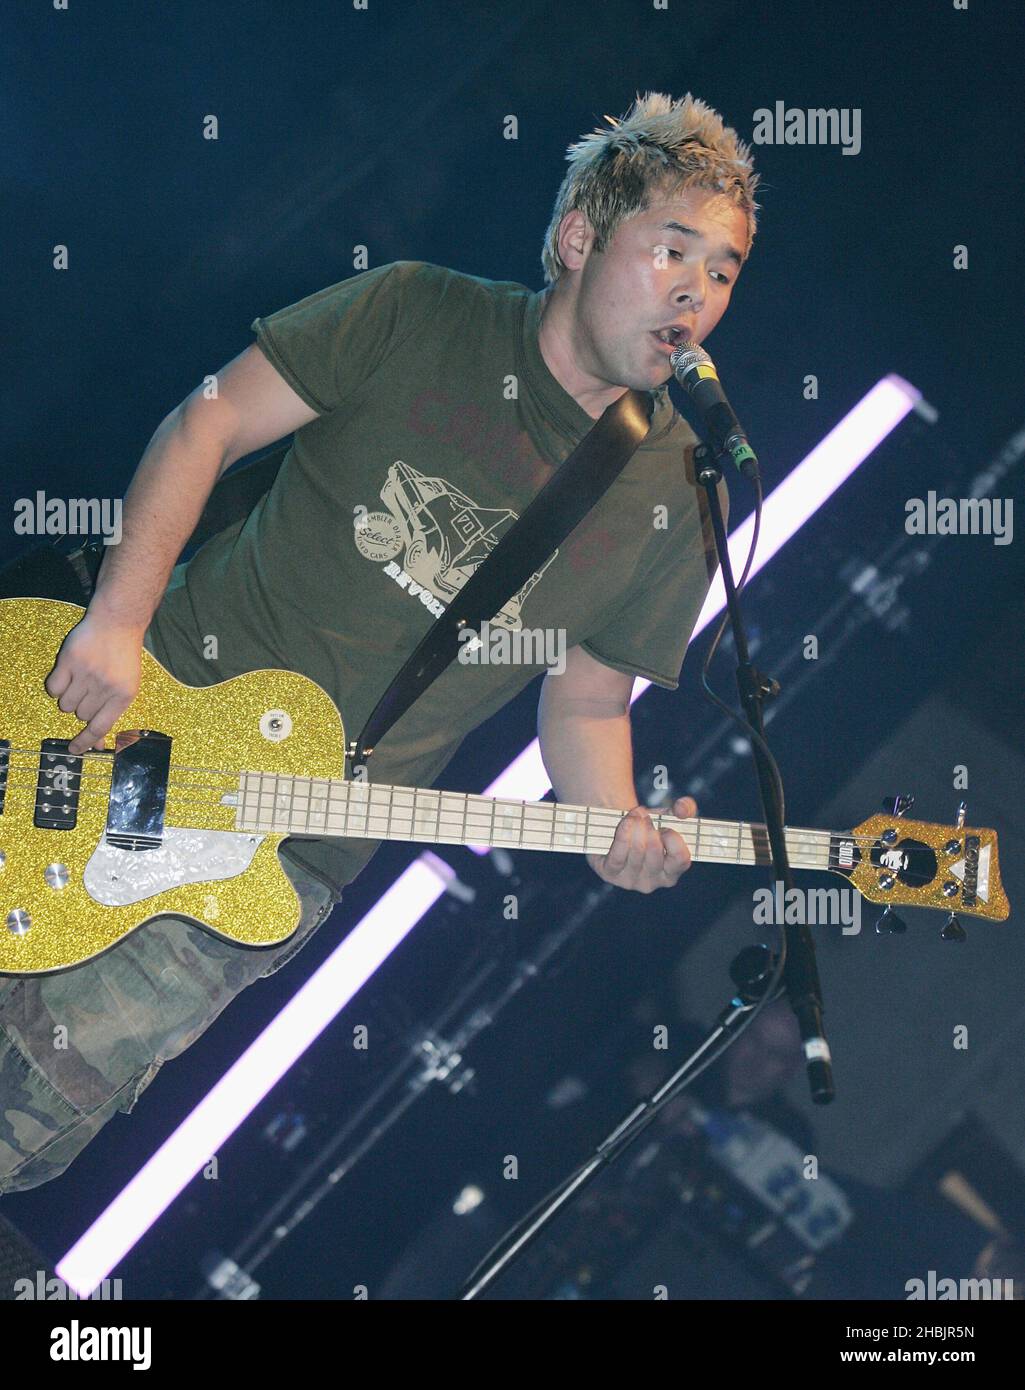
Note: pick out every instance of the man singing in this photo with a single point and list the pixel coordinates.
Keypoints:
(428, 408)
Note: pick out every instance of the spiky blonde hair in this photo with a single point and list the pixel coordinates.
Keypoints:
(658, 144)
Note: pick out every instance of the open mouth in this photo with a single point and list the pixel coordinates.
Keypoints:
(669, 339)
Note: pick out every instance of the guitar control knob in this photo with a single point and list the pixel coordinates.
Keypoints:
(950, 888)
(56, 875)
(888, 836)
(886, 880)
(953, 931)
(18, 921)
(952, 847)
(889, 924)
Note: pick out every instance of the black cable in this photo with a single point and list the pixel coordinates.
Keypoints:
(709, 693)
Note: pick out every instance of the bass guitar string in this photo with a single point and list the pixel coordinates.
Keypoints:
(600, 818)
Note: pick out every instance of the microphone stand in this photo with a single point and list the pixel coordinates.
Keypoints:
(800, 974)
(755, 970)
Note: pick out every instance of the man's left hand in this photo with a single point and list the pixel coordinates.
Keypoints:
(642, 858)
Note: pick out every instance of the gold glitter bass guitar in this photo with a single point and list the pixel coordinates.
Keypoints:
(185, 813)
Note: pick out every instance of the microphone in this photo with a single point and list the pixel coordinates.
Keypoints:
(695, 371)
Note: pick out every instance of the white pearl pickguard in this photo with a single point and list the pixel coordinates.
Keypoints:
(117, 877)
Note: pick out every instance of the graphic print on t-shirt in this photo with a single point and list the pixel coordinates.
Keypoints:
(444, 536)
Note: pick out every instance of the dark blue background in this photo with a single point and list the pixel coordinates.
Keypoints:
(340, 127)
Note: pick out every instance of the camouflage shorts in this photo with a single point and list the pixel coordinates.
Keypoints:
(79, 1046)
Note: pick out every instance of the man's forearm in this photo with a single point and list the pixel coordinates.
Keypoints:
(588, 752)
(587, 749)
(165, 500)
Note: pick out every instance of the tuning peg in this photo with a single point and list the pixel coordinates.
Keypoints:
(962, 811)
(953, 931)
(889, 924)
(898, 805)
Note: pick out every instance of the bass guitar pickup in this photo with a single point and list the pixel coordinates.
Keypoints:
(57, 786)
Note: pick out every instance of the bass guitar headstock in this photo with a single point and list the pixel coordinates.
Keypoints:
(911, 863)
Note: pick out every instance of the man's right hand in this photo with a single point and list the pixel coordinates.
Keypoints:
(96, 676)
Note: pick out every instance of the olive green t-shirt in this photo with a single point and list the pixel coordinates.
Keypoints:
(438, 421)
